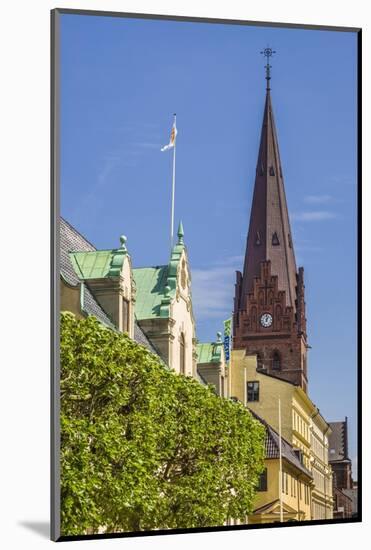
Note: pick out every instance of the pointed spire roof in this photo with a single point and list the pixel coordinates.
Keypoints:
(269, 236)
(180, 233)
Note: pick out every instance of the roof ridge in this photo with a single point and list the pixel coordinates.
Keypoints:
(151, 266)
(260, 371)
(269, 427)
(92, 251)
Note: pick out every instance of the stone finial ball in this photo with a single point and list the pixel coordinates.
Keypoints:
(123, 240)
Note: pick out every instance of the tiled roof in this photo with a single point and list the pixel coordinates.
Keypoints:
(337, 441)
(209, 352)
(72, 241)
(200, 378)
(142, 339)
(150, 284)
(91, 307)
(272, 446)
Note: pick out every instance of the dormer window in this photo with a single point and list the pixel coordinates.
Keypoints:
(271, 171)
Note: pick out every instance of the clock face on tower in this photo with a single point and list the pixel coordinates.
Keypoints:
(266, 320)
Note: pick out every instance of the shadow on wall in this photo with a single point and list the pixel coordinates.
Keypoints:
(41, 528)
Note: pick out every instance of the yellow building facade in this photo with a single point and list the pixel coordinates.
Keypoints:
(292, 497)
(302, 426)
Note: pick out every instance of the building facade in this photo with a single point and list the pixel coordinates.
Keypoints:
(296, 483)
(212, 367)
(302, 425)
(164, 309)
(152, 305)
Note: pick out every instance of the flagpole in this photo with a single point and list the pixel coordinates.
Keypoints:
(280, 488)
(173, 192)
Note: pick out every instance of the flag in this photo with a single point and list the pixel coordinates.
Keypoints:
(171, 143)
(227, 339)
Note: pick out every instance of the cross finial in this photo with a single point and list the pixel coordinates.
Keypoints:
(268, 52)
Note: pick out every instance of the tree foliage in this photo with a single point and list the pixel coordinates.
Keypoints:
(143, 447)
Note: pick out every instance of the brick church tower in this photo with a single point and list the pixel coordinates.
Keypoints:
(269, 306)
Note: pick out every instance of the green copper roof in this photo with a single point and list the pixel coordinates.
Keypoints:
(98, 264)
(150, 284)
(91, 265)
(209, 352)
(156, 286)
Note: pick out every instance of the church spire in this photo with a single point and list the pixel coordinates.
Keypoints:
(269, 237)
(269, 307)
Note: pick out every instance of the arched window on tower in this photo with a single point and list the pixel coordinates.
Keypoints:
(259, 360)
(182, 354)
(276, 361)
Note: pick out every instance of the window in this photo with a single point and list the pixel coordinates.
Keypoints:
(125, 315)
(263, 481)
(259, 360)
(253, 391)
(276, 361)
(275, 239)
(182, 354)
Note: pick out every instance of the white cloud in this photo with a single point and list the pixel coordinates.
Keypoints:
(314, 216)
(307, 248)
(318, 199)
(213, 289)
(236, 261)
(343, 180)
(147, 145)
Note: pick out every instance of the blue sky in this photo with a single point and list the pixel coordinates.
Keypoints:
(121, 81)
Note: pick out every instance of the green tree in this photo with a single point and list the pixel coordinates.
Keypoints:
(143, 447)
